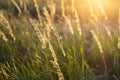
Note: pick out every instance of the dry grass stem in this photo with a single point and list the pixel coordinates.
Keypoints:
(5, 22)
(50, 26)
(55, 62)
(92, 11)
(17, 6)
(77, 20)
(108, 32)
(43, 38)
(52, 7)
(102, 11)
(37, 10)
(101, 51)
(37, 31)
(68, 21)
(3, 36)
(97, 41)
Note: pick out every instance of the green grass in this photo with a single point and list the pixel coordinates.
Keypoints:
(25, 59)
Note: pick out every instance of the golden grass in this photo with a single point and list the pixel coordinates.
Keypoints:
(43, 38)
(68, 21)
(108, 32)
(101, 51)
(97, 41)
(92, 11)
(6, 23)
(102, 10)
(3, 36)
(51, 27)
(37, 10)
(45, 29)
(77, 20)
(17, 6)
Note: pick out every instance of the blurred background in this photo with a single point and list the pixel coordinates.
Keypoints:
(110, 7)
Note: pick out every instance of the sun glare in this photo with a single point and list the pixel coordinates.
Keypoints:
(97, 9)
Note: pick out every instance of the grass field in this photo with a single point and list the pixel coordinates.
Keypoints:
(59, 40)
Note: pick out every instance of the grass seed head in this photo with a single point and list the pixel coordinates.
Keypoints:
(97, 41)
(6, 23)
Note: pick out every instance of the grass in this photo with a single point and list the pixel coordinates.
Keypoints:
(52, 43)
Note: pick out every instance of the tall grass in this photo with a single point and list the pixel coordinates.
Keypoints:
(54, 44)
(6, 24)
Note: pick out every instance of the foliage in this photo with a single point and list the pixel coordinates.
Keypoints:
(52, 45)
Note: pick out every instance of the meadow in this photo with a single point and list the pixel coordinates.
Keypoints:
(59, 40)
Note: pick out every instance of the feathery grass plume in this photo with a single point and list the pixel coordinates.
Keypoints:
(48, 30)
(23, 4)
(38, 12)
(5, 22)
(42, 38)
(68, 21)
(4, 72)
(17, 6)
(56, 65)
(101, 51)
(97, 41)
(55, 62)
(3, 36)
(102, 10)
(91, 11)
(52, 7)
(37, 31)
(50, 26)
(48, 23)
(77, 20)
(62, 8)
(47, 16)
(108, 32)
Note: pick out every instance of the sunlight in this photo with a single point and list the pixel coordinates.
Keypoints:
(102, 10)
(97, 7)
(91, 10)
